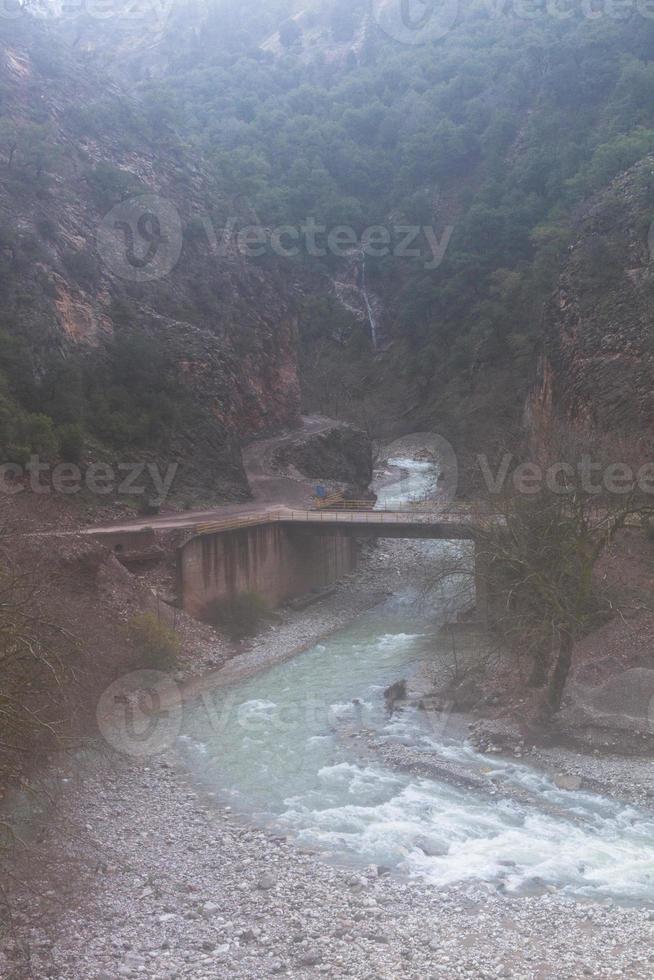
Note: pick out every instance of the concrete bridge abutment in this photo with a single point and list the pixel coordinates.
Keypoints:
(276, 561)
(289, 554)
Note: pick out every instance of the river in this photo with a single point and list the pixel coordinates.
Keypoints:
(282, 749)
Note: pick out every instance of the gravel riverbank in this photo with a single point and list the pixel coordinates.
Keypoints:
(166, 884)
(135, 873)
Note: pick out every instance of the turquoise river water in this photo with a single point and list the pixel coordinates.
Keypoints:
(279, 748)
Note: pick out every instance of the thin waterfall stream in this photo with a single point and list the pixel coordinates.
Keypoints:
(369, 310)
(282, 749)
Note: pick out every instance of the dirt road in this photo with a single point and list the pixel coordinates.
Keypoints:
(270, 490)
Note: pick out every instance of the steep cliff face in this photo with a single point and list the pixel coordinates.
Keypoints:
(597, 362)
(111, 233)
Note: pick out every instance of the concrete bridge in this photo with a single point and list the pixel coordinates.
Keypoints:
(285, 553)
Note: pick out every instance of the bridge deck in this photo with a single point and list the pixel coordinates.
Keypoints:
(416, 523)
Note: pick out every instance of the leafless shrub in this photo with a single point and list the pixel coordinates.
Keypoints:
(537, 544)
(536, 551)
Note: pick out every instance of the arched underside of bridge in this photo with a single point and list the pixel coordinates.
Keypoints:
(282, 560)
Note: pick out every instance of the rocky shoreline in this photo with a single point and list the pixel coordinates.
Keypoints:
(135, 873)
(170, 885)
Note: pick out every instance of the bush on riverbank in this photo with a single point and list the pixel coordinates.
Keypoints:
(158, 645)
(240, 617)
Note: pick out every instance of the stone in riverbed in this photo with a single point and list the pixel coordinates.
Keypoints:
(266, 882)
(566, 781)
(311, 958)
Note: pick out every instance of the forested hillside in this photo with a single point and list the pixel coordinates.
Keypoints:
(503, 129)
(100, 359)
(491, 139)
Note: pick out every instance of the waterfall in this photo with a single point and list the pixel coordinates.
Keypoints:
(369, 310)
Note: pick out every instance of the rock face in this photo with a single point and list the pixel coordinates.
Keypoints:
(342, 454)
(108, 226)
(597, 365)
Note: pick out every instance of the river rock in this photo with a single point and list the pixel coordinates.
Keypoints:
(311, 958)
(393, 694)
(566, 781)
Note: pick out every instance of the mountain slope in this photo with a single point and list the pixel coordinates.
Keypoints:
(119, 320)
(499, 129)
(491, 136)
(597, 365)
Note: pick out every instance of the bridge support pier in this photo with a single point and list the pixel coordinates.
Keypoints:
(277, 561)
(286, 554)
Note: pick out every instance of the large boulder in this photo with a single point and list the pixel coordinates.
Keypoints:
(624, 701)
(340, 454)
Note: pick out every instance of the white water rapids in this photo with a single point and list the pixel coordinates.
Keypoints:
(281, 748)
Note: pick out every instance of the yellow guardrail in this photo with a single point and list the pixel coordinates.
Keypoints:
(339, 502)
(333, 516)
(237, 521)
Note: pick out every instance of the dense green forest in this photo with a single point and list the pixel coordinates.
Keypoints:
(502, 129)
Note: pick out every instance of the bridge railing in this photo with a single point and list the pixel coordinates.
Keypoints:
(337, 502)
(237, 521)
(371, 516)
(332, 516)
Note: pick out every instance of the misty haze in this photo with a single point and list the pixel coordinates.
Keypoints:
(326, 489)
